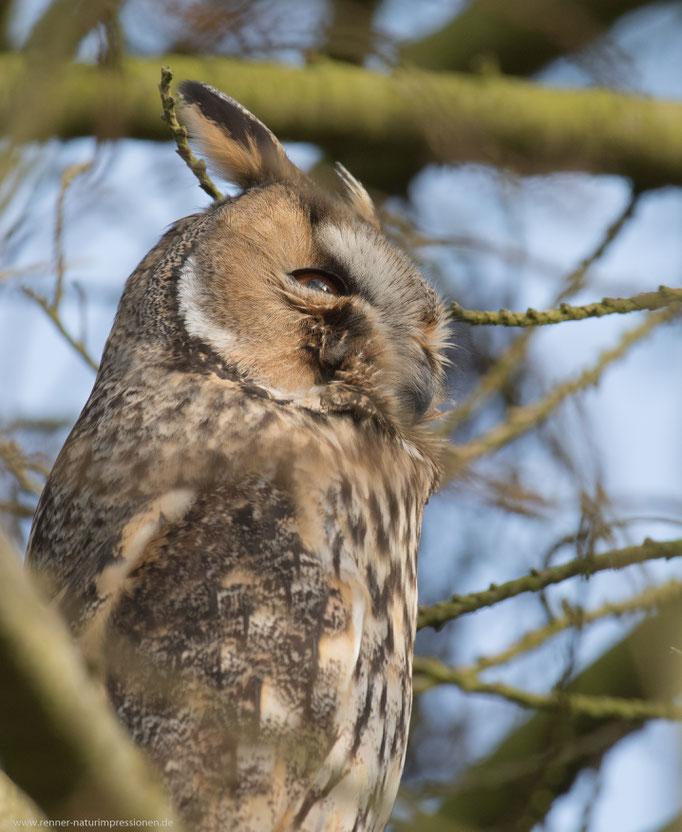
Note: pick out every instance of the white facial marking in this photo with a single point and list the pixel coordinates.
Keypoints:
(357, 248)
(387, 277)
(196, 321)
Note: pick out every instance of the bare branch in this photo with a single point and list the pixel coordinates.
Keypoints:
(649, 599)
(356, 114)
(439, 614)
(608, 306)
(53, 308)
(434, 672)
(68, 175)
(523, 419)
(20, 466)
(179, 133)
(53, 315)
(47, 702)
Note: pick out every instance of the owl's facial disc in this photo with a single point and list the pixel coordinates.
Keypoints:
(419, 391)
(311, 302)
(404, 317)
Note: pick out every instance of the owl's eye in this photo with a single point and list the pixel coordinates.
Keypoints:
(320, 280)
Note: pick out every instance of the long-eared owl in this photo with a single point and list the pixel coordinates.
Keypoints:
(232, 525)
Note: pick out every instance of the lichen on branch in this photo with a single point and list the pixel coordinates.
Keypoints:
(356, 114)
(458, 605)
(430, 672)
(522, 419)
(664, 296)
(179, 134)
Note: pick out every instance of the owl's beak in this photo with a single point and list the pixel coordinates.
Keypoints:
(417, 394)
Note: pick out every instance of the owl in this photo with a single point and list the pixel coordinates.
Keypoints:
(231, 528)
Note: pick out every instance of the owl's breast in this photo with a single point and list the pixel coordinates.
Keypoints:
(375, 518)
(250, 580)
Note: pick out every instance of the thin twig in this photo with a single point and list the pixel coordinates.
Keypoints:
(68, 175)
(439, 614)
(53, 308)
(53, 315)
(434, 672)
(15, 460)
(575, 280)
(499, 373)
(521, 419)
(179, 133)
(651, 598)
(608, 306)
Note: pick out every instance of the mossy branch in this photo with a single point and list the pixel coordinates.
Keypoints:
(179, 133)
(499, 373)
(522, 419)
(434, 672)
(608, 306)
(553, 747)
(58, 740)
(458, 605)
(649, 599)
(356, 114)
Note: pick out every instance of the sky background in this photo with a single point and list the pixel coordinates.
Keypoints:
(117, 212)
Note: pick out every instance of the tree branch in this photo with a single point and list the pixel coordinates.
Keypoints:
(439, 614)
(434, 672)
(350, 34)
(62, 26)
(355, 114)
(552, 747)
(53, 308)
(519, 37)
(53, 314)
(650, 598)
(58, 741)
(5, 9)
(16, 461)
(608, 306)
(522, 419)
(179, 134)
(15, 805)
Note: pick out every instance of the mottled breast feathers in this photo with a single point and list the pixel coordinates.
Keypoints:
(232, 526)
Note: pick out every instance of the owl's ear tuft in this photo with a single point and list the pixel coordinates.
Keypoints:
(357, 197)
(239, 146)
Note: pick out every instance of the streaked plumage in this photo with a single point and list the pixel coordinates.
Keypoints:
(232, 525)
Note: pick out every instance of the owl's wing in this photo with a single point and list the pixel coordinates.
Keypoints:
(231, 653)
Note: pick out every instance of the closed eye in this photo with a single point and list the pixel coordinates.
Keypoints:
(320, 280)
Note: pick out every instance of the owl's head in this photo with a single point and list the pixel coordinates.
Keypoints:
(297, 288)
